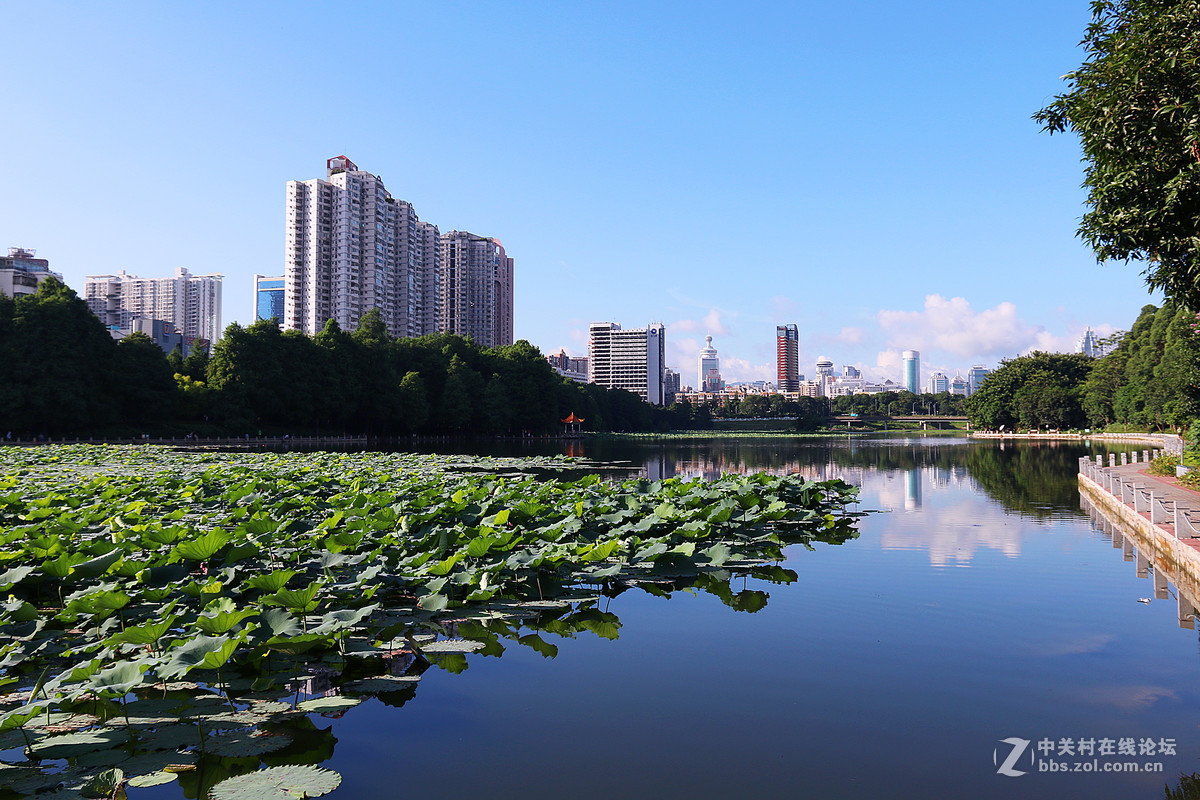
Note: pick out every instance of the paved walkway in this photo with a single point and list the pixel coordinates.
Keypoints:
(1169, 489)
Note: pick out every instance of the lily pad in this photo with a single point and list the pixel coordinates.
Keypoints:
(14, 738)
(247, 743)
(452, 646)
(328, 705)
(172, 737)
(27, 780)
(65, 745)
(151, 779)
(102, 758)
(383, 683)
(278, 782)
(61, 722)
(161, 761)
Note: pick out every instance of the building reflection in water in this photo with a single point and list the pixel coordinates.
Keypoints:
(912, 489)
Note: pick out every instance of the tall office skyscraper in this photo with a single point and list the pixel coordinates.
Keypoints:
(912, 370)
(633, 359)
(975, 378)
(1087, 344)
(787, 358)
(476, 289)
(708, 368)
(191, 303)
(938, 383)
(351, 247)
(268, 298)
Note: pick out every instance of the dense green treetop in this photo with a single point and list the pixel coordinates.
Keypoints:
(1040, 389)
(1135, 103)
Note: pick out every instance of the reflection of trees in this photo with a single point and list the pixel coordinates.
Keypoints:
(1033, 479)
(780, 455)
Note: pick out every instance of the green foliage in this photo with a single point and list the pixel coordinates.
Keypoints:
(1151, 378)
(1164, 465)
(1033, 391)
(1135, 104)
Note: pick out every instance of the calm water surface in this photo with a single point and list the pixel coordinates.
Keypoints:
(978, 605)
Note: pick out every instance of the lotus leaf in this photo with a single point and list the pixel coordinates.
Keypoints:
(452, 646)
(300, 601)
(117, 680)
(151, 779)
(73, 744)
(246, 743)
(273, 581)
(202, 547)
(278, 782)
(103, 784)
(172, 737)
(326, 705)
(204, 652)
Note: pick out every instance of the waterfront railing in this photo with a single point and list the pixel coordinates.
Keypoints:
(1169, 514)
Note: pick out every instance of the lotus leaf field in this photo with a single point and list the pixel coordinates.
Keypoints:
(181, 616)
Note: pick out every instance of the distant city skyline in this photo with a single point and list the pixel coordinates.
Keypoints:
(700, 169)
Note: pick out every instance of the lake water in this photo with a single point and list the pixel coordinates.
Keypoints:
(977, 605)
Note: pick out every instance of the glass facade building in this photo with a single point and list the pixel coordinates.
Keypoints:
(268, 298)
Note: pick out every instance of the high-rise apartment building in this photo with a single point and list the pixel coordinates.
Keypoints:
(192, 303)
(912, 370)
(670, 385)
(269, 298)
(21, 272)
(476, 286)
(787, 358)
(631, 359)
(350, 247)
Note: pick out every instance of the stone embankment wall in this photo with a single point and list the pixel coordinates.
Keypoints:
(1165, 520)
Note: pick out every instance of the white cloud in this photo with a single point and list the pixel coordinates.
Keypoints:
(887, 367)
(711, 324)
(681, 357)
(851, 335)
(739, 369)
(953, 326)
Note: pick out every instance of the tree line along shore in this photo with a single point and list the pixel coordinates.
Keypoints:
(61, 373)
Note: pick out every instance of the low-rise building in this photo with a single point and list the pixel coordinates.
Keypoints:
(21, 271)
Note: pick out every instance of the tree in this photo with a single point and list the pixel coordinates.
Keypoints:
(147, 385)
(58, 370)
(195, 366)
(1033, 390)
(1135, 103)
(412, 402)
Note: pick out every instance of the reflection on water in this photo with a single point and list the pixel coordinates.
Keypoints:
(1170, 579)
(883, 669)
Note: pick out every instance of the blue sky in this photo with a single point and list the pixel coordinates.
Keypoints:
(866, 170)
